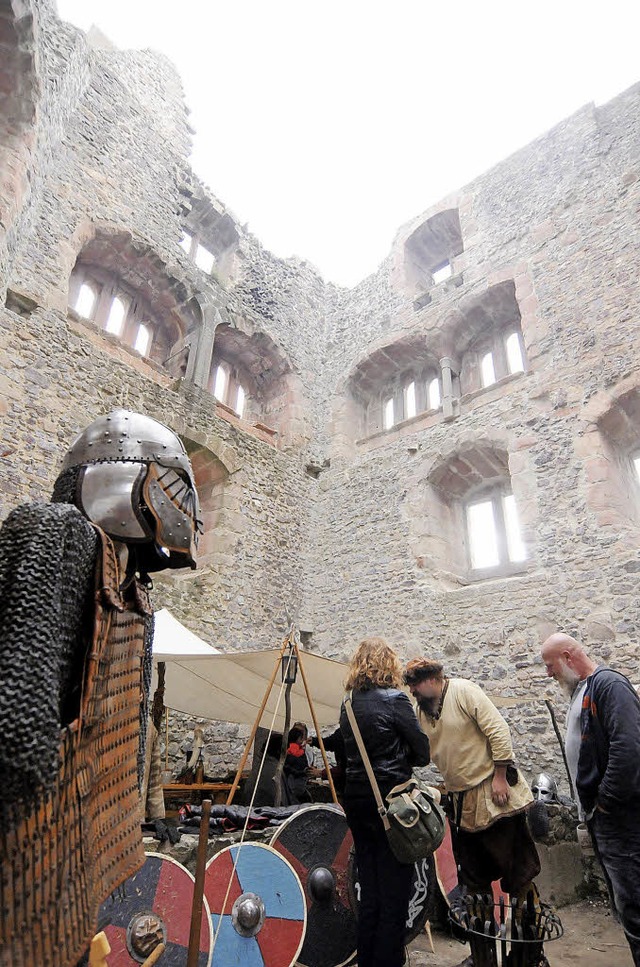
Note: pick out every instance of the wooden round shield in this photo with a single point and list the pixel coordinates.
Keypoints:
(258, 913)
(317, 842)
(423, 888)
(154, 906)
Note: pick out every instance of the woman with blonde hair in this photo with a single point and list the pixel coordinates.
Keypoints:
(394, 743)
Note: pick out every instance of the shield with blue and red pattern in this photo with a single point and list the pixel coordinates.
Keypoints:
(150, 908)
(258, 910)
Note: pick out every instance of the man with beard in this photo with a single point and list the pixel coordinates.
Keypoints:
(471, 746)
(603, 755)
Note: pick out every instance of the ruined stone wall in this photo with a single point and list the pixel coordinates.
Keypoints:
(338, 529)
(562, 215)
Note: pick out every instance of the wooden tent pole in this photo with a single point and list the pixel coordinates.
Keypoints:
(245, 754)
(315, 722)
(166, 739)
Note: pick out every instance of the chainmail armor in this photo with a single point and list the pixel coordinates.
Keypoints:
(47, 564)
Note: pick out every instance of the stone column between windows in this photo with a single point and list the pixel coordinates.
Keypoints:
(448, 398)
(201, 352)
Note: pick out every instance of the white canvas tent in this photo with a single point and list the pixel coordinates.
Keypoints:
(230, 686)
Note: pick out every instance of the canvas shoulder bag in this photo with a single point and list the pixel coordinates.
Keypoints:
(413, 820)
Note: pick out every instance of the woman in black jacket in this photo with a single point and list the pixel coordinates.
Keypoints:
(395, 743)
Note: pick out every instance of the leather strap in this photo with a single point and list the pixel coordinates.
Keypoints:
(348, 707)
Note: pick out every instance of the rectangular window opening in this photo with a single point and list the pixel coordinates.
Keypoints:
(185, 243)
(442, 272)
(487, 370)
(204, 259)
(515, 545)
(240, 401)
(433, 394)
(483, 536)
(86, 301)
(143, 340)
(388, 414)
(410, 401)
(515, 360)
(220, 384)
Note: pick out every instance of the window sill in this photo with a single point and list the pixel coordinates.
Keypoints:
(498, 573)
(494, 388)
(426, 418)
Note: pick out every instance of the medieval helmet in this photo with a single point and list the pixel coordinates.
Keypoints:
(545, 788)
(135, 482)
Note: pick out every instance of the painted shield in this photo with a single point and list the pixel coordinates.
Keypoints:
(423, 889)
(152, 907)
(258, 912)
(317, 843)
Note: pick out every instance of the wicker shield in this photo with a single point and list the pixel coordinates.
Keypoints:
(258, 912)
(317, 842)
(154, 906)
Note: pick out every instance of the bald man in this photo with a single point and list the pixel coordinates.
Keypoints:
(603, 754)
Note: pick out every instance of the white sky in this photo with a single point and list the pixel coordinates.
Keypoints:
(325, 126)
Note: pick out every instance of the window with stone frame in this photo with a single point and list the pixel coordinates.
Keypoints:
(489, 342)
(494, 539)
(471, 515)
(225, 384)
(612, 465)
(113, 306)
(210, 236)
(404, 397)
(431, 250)
(127, 291)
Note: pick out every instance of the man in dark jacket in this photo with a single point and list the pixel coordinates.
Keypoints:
(603, 753)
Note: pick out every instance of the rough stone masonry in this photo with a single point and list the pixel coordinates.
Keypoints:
(494, 354)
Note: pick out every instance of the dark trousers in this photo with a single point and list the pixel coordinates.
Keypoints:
(616, 839)
(385, 889)
(504, 851)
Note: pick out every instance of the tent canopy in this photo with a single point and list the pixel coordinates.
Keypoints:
(230, 687)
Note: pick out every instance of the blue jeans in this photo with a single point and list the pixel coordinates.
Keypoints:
(616, 839)
(385, 888)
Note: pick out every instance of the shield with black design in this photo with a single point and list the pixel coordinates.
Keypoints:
(317, 842)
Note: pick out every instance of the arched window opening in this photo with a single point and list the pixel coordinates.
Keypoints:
(388, 414)
(115, 319)
(143, 339)
(487, 370)
(86, 301)
(433, 394)
(410, 409)
(515, 358)
(240, 401)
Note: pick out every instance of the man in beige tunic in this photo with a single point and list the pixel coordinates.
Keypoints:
(471, 747)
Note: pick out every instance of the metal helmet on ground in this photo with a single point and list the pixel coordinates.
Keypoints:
(135, 481)
(545, 788)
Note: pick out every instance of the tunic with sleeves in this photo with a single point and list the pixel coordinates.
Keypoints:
(467, 741)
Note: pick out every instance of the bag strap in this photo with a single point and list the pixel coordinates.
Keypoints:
(348, 707)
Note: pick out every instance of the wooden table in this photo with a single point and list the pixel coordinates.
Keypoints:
(216, 791)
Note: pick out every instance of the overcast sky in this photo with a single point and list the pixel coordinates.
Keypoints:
(326, 126)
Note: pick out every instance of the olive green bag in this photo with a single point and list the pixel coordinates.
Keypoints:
(413, 819)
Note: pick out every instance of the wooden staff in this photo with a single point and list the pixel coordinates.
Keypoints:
(198, 889)
(315, 724)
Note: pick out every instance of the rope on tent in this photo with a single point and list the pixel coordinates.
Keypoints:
(249, 808)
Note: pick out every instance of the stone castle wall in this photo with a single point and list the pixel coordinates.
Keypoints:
(336, 526)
